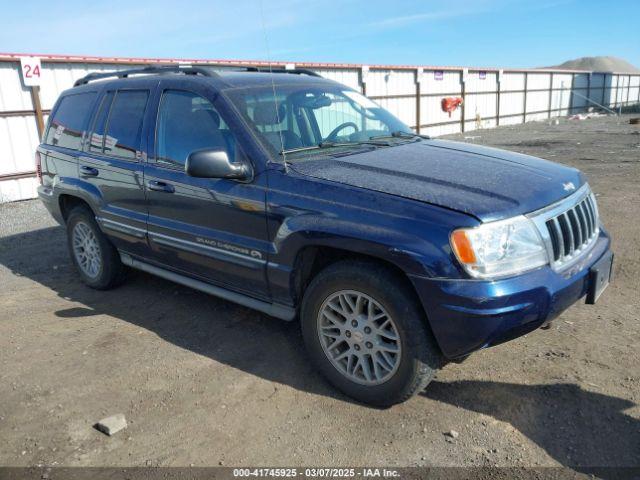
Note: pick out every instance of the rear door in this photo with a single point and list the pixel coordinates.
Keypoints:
(62, 143)
(213, 229)
(112, 164)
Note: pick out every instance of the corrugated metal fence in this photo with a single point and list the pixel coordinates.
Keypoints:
(491, 98)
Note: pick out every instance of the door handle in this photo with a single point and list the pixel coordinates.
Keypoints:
(160, 186)
(88, 171)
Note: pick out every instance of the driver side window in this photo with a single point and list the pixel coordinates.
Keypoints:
(188, 122)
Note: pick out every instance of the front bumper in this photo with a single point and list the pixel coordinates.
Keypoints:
(467, 315)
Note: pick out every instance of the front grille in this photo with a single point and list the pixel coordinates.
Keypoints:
(572, 231)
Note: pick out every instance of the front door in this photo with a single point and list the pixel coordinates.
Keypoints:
(213, 229)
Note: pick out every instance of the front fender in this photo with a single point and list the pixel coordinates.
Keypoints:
(392, 245)
(307, 212)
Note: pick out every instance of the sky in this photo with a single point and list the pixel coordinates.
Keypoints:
(490, 33)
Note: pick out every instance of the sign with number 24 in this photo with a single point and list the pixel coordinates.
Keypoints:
(31, 71)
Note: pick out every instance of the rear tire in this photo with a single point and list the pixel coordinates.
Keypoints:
(95, 258)
(360, 313)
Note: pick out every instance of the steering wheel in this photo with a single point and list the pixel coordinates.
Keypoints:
(334, 133)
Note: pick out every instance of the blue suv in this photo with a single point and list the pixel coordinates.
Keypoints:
(303, 199)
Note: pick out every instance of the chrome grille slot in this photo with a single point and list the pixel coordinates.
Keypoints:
(569, 228)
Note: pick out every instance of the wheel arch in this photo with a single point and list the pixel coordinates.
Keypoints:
(312, 259)
(67, 202)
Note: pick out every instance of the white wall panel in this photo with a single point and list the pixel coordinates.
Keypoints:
(450, 83)
(20, 189)
(13, 95)
(431, 111)
(475, 82)
(389, 82)
(624, 94)
(538, 80)
(561, 99)
(480, 104)
(511, 104)
(18, 142)
(512, 81)
(562, 80)
(350, 78)
(537, 101)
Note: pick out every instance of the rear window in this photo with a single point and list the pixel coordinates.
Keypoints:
(68, 122)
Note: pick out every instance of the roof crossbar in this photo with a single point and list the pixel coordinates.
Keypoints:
(295, 71)
(186, 69)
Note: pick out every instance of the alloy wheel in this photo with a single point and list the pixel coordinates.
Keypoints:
(359, 337)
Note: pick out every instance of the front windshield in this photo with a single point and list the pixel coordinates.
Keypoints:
(302, 118)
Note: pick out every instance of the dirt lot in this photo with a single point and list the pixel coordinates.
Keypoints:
(205, 382)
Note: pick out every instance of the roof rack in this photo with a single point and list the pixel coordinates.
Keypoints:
(187, 70)
(295, 71)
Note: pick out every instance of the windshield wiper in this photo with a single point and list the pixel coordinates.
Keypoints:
(401, 134)
(323, 145)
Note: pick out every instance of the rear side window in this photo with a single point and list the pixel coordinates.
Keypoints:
(124, 123)
(69, 120)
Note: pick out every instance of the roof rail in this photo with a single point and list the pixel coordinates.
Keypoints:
(186, 69)
(295, 71)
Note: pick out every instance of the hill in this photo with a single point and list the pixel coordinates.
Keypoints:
(598, 64)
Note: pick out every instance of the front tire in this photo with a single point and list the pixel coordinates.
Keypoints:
(365, 331)
(95, 258)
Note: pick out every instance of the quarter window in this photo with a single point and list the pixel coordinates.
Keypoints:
(68, 123)
(188, 122)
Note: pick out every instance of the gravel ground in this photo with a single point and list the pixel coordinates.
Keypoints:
(205, 382)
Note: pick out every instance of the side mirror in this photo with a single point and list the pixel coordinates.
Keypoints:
(214, 163)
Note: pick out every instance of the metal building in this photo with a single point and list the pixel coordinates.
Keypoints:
(491, 97)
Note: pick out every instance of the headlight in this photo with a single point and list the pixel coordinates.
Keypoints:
(499, 248)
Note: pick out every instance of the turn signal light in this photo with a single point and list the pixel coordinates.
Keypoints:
(462, 247)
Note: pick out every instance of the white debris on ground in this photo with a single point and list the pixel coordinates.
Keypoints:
(585, 116)
(112, 425)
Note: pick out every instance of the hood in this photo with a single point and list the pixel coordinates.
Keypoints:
(487, 183)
